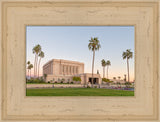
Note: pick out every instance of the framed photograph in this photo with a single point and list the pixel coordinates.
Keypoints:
(80, 60)
(79, 66)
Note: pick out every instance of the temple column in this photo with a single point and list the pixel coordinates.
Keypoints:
(77, 70)
(65, 70)
(72, 70)
(61, 69)
(68, 70)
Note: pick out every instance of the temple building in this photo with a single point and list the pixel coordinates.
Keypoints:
(58, 69)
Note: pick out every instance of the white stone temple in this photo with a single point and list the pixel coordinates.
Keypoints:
(57, 69)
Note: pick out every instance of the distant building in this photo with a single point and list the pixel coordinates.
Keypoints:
(58, 69)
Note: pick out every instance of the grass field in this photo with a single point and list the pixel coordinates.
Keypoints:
(77, 92)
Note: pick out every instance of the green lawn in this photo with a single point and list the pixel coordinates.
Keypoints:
(77, 92)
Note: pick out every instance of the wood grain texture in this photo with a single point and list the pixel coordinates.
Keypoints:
(141, 14)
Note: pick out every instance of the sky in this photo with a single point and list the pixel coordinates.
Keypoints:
(71, 43)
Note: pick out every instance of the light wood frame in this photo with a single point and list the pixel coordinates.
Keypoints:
(17, 14)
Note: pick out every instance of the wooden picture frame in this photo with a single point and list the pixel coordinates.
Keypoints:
(17, 14)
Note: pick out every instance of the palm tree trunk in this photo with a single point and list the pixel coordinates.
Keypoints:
(128, 68)
(39, 66)
(30, 73)
(93, 66)
(103, 72)
(35, 66)
(107, 72)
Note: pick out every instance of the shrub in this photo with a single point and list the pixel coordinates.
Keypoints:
(127, 83)
(76, 78)
(106, 80)
(36, 80)
(62, 80)
(41, 78)
(118, 83)
(48, 81)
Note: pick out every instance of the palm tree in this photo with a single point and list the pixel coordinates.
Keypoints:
(124, 77)
(30, 67)
(119, 77)
(36, 50)
(97, 71)
(103, 62)
(41, 55)
(28, 63)
(93, 46)
(108, 63)
(127, 55)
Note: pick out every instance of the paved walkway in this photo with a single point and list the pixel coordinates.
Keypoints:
(103, 86)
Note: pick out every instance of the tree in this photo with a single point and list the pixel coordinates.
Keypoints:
(127, 55)
(28, 63)
(30, 67)
(45, 76)
(97, 71)
(104, 63)
(108, 63)
(41, 55)
(125, 77)
(36, 50)
(114, 78)
(93, 45)
(119, 77)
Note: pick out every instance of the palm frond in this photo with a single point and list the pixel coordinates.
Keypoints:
(128, 54)
(108, 63)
